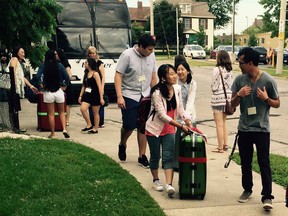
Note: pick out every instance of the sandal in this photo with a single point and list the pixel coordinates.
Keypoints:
(225, 147)
(51, 136)
(217, 150)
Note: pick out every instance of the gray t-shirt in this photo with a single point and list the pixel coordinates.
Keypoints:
(258, 122)
(137, 73)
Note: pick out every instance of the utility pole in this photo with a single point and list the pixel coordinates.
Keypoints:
(246, 23)
(233, 33)
(151, 18)
(281, 36)
(177, 33)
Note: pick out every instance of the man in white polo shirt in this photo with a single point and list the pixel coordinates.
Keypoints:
(134, 77)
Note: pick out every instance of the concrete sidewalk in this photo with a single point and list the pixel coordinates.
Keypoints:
(223, 185)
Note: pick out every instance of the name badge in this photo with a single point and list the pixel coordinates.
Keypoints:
(88, 90)
(142, 78)
(252, 111)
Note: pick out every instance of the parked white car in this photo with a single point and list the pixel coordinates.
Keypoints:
(228, 48)
(194, 51)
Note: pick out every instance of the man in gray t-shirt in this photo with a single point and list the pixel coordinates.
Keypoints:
(256, 92)
(134, 77)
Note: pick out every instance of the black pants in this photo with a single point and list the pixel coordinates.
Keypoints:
(262, 143)
(101, 115)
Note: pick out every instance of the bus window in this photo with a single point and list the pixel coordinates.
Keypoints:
(104, 24)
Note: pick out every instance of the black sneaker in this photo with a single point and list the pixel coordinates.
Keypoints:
(122, 152)
(143, 161)
(245, 196)
(85, 130)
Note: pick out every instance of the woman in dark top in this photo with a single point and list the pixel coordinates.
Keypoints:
(70, 99)
(55, 80)
(93, 53)
(91, 94)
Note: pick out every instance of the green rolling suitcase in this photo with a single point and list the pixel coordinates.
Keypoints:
(192, 166)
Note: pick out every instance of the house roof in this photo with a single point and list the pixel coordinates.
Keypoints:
(198, 9)
(258, 23)
(140, 13)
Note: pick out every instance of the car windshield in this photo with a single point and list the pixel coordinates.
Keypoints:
(260, 49)
(197, 48)
(228, 49)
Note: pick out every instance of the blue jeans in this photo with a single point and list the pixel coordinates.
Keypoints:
(168, 147)
(262, 143)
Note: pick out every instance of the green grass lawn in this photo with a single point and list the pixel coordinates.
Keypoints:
(278, 166)
(56, 177)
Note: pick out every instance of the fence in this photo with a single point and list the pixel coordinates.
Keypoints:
(9, 118)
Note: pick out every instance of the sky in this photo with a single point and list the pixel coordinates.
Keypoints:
(246, 12)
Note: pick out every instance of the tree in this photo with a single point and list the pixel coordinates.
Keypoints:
(221, 9)
(26, 22)
(252, 40)
(165, 23)
(253, 30)
(271, 17)
(201, 37)
(137, 31)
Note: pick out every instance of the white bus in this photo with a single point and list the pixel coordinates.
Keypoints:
(104, 24)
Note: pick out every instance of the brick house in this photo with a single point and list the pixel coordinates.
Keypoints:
(194, 15)
(139, 14)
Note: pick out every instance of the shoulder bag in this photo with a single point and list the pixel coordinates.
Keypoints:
(229, 110)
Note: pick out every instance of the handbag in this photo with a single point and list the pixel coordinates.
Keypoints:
(5, 81)
(106, 99)
(229, 110)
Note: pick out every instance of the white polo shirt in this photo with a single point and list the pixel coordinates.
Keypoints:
(137, 73)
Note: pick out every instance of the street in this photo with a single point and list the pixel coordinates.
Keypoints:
(205, 122)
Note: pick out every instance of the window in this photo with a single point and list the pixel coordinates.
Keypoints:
(203, 23)
(262, 40)
(187, 23)
(185, 8)
(245, 40)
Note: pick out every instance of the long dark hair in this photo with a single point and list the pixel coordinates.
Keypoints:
(51, 72)
(62, 57)
(223, 60)
(93, 65)
(162, 73)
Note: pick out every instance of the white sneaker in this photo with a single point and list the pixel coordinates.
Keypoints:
(170, 190)
(157, 185)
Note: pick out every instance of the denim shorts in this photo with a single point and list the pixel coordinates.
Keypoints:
(130, 114)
